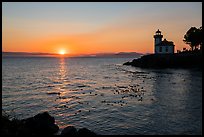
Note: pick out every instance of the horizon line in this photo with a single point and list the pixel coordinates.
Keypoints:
(101, 54)
(73, 53)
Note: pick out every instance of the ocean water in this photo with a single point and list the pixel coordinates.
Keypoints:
(103, 95)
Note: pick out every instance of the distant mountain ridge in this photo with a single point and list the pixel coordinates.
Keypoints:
(28, 54)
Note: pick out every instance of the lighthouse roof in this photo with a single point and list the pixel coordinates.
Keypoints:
(158, 31)
(165, 43)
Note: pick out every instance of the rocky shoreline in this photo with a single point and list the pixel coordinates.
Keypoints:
(177, 60)
(40, 124)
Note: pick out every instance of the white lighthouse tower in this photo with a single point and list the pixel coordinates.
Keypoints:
(157, 39)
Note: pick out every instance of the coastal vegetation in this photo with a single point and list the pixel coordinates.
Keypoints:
(193, 37)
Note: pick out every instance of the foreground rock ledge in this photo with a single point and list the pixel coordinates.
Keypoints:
(177, 60)
(40, 124)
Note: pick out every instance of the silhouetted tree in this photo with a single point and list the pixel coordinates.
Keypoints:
(200, 37)
(193, 37)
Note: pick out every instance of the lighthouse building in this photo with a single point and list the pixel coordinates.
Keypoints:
(162, 47)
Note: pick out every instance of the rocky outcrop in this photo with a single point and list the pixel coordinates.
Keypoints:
(72, 131)
(85, 132)
(40, 124)
(177, 60)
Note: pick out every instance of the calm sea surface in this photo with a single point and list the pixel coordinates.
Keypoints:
(103, 95)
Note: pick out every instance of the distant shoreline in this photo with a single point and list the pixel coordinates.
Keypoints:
(97, 55)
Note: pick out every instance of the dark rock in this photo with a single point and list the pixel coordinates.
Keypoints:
(6, 126)
(69, 131)
(41, 124)
(10, 127)
(85, 132)
(5, 121)
(127, 63)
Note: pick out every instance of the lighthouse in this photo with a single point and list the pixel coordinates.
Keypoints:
(158, 37)
(162, 47)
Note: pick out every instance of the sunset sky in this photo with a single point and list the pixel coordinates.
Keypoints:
(85, 28)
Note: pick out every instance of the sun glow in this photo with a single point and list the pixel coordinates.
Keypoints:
(62, 52)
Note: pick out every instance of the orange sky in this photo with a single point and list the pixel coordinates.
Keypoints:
(95, 28)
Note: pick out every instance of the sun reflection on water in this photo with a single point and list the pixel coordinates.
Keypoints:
(62, 69)
(62, 78)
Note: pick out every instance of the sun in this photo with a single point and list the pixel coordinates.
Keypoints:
(62, 52)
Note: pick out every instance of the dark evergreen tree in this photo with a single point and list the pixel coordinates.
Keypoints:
(193, 37)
